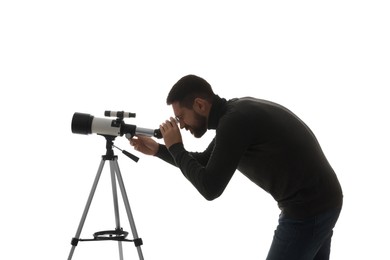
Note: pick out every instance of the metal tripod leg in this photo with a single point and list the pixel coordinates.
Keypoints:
(138, 241)
(116, 207)
(76, 238)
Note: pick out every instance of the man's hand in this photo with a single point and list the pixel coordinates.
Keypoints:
(170, 132)
(144, 145)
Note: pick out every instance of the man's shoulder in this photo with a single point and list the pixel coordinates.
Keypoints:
(238, 111)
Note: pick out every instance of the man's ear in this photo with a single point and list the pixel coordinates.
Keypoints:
(201, 106)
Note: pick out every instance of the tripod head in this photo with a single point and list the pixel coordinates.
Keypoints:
(110, 152)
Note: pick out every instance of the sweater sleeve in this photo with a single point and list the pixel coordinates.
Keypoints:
(211, 171)
(164, 154)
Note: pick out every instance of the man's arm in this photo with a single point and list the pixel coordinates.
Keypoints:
(202, 157)
(165, 155)
(211, 178)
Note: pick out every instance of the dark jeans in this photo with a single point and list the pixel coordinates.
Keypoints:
(307, 239)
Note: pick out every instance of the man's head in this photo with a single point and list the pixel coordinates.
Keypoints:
(191, 99)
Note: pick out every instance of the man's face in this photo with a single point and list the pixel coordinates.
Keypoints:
(190, 120)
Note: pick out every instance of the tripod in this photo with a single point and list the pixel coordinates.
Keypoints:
(118, 234)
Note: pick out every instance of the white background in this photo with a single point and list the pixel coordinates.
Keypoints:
(327, 61)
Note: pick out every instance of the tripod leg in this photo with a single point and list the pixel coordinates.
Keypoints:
(76, 238)
(116, 208)
(128, 209)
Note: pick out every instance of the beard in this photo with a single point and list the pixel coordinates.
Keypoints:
(201, 126)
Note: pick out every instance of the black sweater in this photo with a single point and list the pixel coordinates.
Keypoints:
(268, 144)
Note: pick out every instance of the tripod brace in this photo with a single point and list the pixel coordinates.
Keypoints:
(118, 234)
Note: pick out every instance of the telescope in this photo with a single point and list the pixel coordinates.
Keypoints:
(110, 128)
(87, 124)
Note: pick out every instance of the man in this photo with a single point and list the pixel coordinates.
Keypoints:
(267, 143)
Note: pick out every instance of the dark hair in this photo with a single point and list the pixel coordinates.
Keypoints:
(187, 89)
